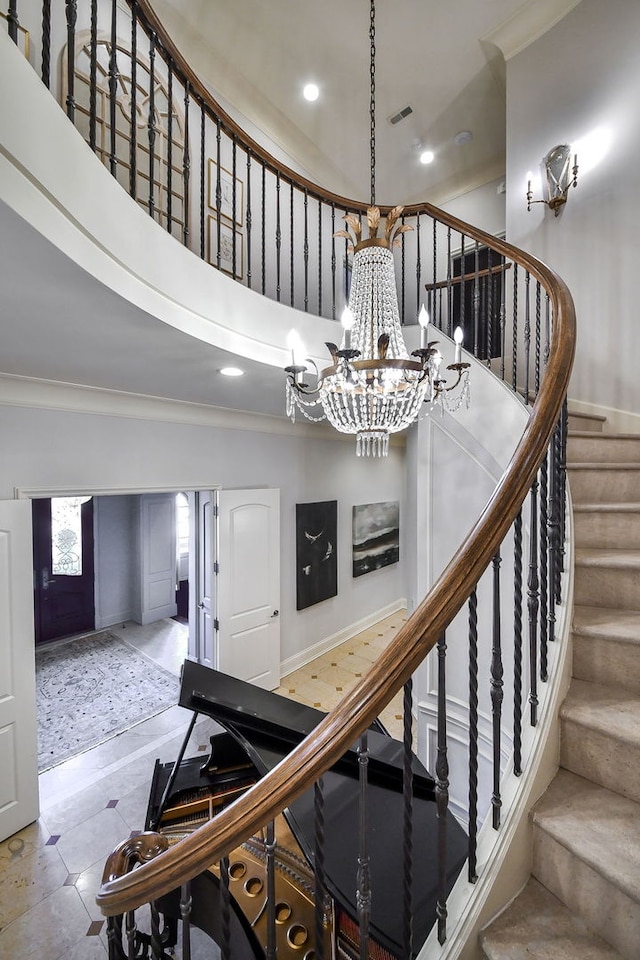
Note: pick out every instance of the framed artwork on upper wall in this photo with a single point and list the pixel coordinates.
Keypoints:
(226, 236)
(376, 536)
(316, 557)
(230, 207)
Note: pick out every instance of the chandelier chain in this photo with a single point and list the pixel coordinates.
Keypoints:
(372, 104)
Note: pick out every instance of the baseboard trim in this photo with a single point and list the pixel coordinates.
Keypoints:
(324, 646)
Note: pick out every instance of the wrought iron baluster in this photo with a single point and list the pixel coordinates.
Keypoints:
(402, 275)
(547, 329)
(514, 342)
(463, 271)
(489, 309)
(418, 266)
(563, 485)
(186, 904)
(449, 283)
(133, 126)
(477, 298)
(13, 23)
(225, 911)
(503, 321)
(442, 791)
(407, 819)
(527, 333)
(113, 89)
(71, 8)
(319, 257)
(532, 603)
(218, 194)
(473, 736)
(538, 340)
(278, 236)
(46, 43)
(270, 847)
(291, 252)
(130, 933)
(264, 230)
(544, 567)
(93, 70)
(497, 673)
(157, 952)
(321, 896)
(186, 166)
(151, 123)
(203, 161)
(234, 208)
(554, 530)
(363, 891)
(249, 219)
(170, 147)
(432, 305)
(306, 250)
(517, 645)
(333, 261)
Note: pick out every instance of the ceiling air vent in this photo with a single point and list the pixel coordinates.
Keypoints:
(401, 114)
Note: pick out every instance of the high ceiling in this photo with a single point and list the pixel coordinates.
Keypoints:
(440, 59)
(435, 57)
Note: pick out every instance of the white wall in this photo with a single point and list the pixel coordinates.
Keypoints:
(581, 77)
(58, 450)
(114, 548)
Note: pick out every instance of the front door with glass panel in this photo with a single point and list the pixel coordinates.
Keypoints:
(63, 567)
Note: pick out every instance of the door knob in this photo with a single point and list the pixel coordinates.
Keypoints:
(275, 613)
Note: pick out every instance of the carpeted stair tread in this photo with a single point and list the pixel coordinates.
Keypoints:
(537, 926)
(598, 827)
(609, 557)
(609, 623)
(613, 507)
(607, 710)
(605, 465)
(588, 435)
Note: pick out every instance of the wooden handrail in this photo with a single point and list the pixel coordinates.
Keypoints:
(343, 725)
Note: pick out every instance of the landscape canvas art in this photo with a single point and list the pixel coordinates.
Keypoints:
(316, 559)
(376, 536)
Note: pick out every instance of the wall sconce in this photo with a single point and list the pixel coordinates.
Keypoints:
(559, 177)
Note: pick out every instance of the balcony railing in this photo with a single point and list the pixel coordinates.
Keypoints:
(161, 135)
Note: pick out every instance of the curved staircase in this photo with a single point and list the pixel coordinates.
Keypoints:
(583, 899)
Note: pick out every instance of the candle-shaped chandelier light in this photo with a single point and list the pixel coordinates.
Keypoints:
(373, 388)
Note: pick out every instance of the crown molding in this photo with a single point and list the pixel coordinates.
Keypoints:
(527, 24)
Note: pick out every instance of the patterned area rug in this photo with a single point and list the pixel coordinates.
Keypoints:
(90, 689)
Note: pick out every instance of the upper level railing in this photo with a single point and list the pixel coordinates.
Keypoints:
(156, 128)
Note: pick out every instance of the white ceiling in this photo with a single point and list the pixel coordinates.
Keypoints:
(441, 58)
(60, 324)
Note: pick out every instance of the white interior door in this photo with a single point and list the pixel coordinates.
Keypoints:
(202, 559)
(157, 557)
(248, 585)
(18, 738)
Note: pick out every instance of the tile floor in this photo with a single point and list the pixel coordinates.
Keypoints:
(50, 871)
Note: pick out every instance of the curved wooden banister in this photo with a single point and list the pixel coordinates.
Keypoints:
(343, 725)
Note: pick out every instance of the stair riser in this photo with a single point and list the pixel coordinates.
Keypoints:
(605, 909)
(604, 486)
(598, 450)
(585, 422)
(618, 530)
(601, 758)
(604, 587)
(608, 661)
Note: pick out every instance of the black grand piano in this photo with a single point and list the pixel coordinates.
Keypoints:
(258, 729)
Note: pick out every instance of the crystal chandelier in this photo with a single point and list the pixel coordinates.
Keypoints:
(373, 388)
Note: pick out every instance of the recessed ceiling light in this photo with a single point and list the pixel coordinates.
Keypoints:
(427, 156)
(463, 137)
(311, 91)
(231, 372)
